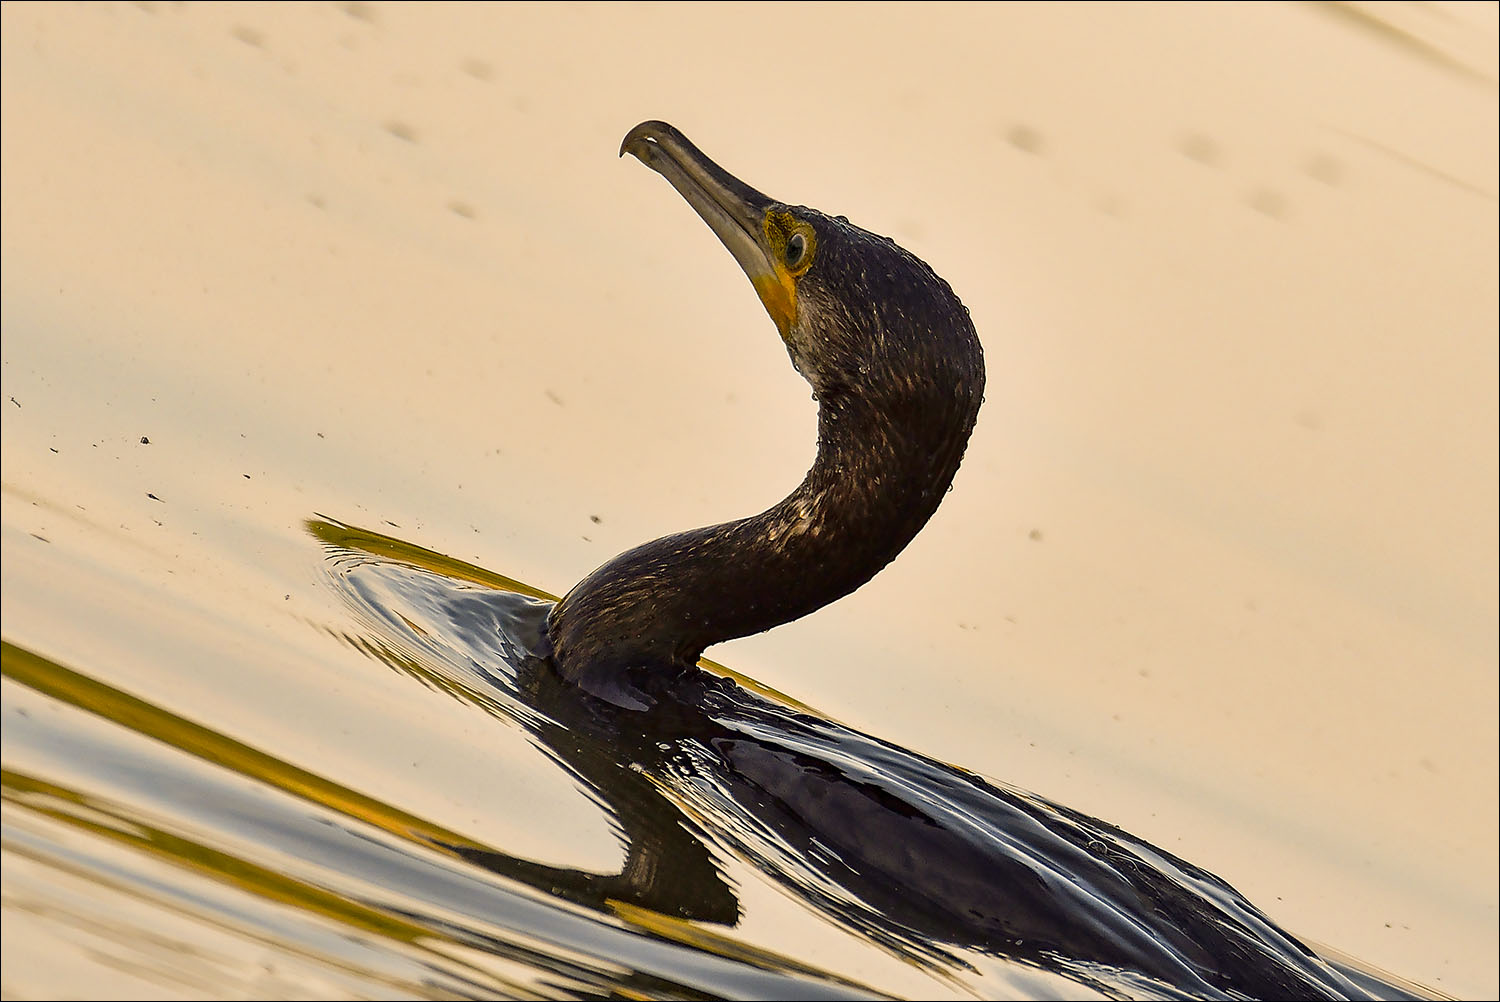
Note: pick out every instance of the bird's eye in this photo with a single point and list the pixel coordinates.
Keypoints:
(796, 250)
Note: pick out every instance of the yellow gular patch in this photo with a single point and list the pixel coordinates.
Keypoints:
(778, 292)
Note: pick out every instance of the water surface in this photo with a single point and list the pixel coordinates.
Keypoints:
(1218, 568)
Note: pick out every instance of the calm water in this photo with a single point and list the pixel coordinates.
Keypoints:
(1219, 567)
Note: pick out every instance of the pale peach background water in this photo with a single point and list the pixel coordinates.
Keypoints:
(1220, 566)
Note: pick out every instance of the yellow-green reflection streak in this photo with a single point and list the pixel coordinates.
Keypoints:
(109, 822)
(351, 537)
(75, 689)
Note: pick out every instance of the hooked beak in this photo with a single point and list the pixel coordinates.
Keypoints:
(735, 211)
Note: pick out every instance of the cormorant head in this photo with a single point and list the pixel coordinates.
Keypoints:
(856, 311)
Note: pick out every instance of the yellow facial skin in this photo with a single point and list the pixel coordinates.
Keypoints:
(791, 246)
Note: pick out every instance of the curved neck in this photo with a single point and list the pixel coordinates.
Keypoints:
(883, 465)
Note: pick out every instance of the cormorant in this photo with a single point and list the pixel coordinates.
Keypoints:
(931, 862)
(898, 373)
(714, 782)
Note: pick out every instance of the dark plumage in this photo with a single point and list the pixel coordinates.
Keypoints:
(898, 373)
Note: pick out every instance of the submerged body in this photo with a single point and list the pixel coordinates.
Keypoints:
(898, 372)
(945, 869)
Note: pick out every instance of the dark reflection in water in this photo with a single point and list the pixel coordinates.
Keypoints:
(162, 824)
(932, 863)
